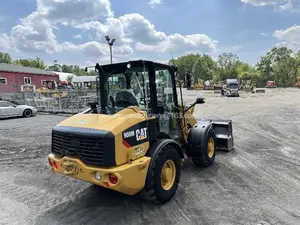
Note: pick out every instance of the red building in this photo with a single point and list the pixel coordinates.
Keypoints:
(15, 78)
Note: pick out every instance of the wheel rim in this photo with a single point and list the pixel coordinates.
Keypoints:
(27, 113)
(211, 147)
(168, 174)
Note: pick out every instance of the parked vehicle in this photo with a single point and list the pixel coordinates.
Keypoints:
(8, 109)
(271, 84)
(232, 88)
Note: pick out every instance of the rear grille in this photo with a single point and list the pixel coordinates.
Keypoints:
(88, 145)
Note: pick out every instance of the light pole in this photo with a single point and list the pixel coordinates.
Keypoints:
(110, 43)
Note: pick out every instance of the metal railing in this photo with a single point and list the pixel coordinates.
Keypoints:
(59, 101)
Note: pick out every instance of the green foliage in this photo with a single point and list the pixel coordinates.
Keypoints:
(56, 67)
(227, 66)
(185, 64)
(5, 57)
(280, 65)
(36, 63)
(74, 69)
(204, 68)
(201, 66)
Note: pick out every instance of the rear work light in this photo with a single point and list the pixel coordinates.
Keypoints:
(113, 179)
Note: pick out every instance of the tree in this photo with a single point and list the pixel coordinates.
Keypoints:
(67, 68)
(265, 67)
(279, 65)
(36, 63)
(227, 63)
(244, 70)
(185, 64)
(5, 57)
(204, 68)
(56, 67)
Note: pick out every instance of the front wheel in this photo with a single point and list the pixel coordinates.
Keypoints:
(27, 113)
(208, 152)
(164, 176)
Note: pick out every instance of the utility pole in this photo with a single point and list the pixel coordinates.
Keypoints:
(110, 43)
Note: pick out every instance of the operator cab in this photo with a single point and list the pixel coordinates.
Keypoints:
(147, 85)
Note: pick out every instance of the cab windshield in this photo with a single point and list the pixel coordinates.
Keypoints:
(126, 89)
(233, 86)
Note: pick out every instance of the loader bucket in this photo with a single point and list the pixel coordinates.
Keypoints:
(247, 89)
(260, 91)
(224, 135)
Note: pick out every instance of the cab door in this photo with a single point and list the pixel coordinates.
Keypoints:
(167, 105)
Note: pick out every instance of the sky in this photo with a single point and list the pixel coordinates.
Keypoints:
(73, 31)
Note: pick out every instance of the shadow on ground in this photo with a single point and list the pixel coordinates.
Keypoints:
(95, 205)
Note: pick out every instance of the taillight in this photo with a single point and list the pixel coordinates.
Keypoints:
(50, 163)
(113, 179)
(55, 165)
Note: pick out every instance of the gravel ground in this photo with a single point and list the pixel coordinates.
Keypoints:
(257, 183)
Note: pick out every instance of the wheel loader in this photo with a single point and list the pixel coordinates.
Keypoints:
(135, 140)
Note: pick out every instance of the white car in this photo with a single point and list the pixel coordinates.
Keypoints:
(8, 109)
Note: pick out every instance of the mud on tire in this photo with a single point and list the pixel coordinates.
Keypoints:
(155, 192)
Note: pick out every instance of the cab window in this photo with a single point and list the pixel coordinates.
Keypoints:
(169, 119)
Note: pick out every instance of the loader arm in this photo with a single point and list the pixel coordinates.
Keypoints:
(187, 120)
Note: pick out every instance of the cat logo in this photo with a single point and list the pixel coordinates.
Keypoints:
(141, 134)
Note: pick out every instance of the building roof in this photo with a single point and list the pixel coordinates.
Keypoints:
(84, 79)
(63, 76)
(21, 69)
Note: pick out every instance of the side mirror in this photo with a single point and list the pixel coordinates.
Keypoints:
(200, 100)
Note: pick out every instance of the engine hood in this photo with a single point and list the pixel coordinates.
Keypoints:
(113, 123)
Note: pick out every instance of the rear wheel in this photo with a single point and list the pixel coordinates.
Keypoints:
(164, 176)
(27, 113)
(208, 152)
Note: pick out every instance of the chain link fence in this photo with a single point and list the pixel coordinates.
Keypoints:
(58, 101)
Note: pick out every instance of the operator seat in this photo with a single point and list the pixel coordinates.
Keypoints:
(125, 99)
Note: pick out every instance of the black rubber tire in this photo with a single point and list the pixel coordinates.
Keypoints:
(204, 160)
(155, 192)
(27, 113)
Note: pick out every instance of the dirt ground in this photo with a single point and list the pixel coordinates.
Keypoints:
(257, 183)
